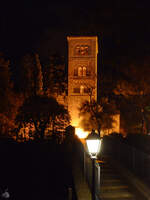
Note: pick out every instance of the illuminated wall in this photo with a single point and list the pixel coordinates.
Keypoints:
(82, 73)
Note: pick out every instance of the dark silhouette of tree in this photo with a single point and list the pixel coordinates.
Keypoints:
(4, 84)
(134, 92)
(29, 82)
(38, 76)
(98, 115)
(27, 75)
(42, 112)
(7, 98)
(54, 76)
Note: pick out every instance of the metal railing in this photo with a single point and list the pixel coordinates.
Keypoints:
(132, 158)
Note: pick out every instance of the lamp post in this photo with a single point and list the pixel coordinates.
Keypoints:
(93, 142)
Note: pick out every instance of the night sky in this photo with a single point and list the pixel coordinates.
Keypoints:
(122, 26)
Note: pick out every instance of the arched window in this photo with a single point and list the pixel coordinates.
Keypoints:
(81, 89)
(84, 71)
(80, 71)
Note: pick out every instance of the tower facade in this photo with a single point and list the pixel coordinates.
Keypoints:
(82, 73)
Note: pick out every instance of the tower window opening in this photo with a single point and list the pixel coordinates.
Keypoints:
(81, 89)
(80, 71)
(84, 71)
(76, 90)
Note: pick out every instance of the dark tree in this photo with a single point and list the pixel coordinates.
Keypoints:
(54, 76)
(27, 75)
(99, 116)
(43, 113)
(134, 92)
(5, 86)
(8, 102)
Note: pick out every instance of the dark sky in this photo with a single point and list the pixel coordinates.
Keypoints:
(122, 26)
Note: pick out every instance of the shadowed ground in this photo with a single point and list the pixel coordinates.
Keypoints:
(33, 171)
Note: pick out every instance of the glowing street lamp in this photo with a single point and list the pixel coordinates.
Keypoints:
(93, 142)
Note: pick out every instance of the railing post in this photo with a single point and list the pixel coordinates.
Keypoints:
(69, 193)
(93, 179)
(133, 158)
(97, 166)
(84, 163)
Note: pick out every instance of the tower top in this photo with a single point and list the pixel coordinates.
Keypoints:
(81, 37)
(82, 46)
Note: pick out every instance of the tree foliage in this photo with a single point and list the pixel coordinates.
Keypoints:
(97, 115)
(8, 101)
(42, 112)
(134, 92)
(26, 82)
(4, 84)
(54, 76)
(27, 75)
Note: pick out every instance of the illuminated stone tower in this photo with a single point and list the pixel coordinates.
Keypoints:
(82, 73)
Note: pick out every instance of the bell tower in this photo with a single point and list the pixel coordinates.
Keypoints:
(82, 73)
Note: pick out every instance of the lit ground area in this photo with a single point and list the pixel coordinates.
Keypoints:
(35, 171)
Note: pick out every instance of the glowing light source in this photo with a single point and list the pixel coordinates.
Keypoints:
(93, 142)
(81, 133)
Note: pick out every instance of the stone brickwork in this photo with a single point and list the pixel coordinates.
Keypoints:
(82, 73)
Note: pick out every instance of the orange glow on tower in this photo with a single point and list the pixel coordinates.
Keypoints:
(82, 75)
(82, 78)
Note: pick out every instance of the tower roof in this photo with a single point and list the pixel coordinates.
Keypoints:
(81, 37)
